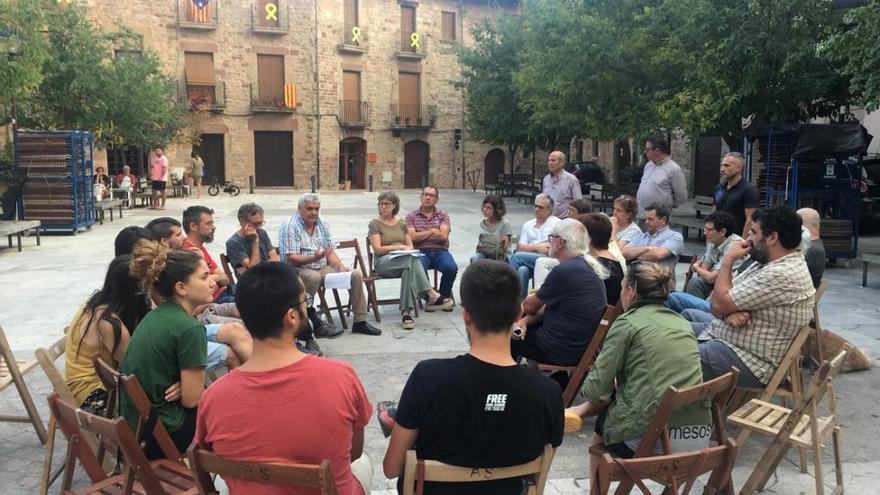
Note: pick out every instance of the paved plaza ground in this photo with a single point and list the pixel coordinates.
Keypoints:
(42, 287)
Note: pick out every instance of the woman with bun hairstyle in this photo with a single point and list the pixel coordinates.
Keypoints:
(648, 349)
(169, 346)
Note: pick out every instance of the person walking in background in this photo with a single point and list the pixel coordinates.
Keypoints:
(495, 231)
(197, 171)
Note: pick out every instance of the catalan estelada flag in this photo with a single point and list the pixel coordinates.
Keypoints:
(200, 11)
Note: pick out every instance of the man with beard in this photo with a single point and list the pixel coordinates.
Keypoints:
(198, 224)
(760, 311)
(324, 395)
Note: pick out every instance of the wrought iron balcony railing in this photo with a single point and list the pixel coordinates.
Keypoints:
(413, 115)
(353, 113)
(412, 45)
(211, 97)
(198, 14)
(354, 39)
(281, 100)
(270, 18)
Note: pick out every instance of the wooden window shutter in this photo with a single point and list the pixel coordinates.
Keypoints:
(350, 13)
(199, 68)
(270, 77)
(448, 27)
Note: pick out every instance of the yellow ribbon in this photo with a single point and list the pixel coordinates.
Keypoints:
(65, 1)
(414, 40)
(355, 34)
(271, 12)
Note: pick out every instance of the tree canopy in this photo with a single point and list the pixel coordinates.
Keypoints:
(857, 47)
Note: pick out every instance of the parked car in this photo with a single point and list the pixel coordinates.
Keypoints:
(870, 211)
(587, 172)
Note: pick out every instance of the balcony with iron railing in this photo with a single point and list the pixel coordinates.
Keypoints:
(354, 39)
(412, 46)
(191, 16)
(210, 97)
(270, 18)
(354, 114)
(273, 101)
(413, 116)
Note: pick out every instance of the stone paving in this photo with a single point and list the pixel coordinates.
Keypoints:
(42, 287)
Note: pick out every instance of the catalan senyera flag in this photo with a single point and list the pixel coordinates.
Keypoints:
(290, 95)
(200, 11)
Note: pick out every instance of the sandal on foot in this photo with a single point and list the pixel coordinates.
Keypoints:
(443, 303)
(408, 322)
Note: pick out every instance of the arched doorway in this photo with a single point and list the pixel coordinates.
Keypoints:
(416, 157)
(493, 166)
(353, 161)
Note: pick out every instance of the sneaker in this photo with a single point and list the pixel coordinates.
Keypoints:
(444, 303)
(365, 328)
(324, 330)
(385, 412)
(309, 346)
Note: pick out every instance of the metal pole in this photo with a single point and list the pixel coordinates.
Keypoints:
(370, 180)
(250, 184)
(312, 180)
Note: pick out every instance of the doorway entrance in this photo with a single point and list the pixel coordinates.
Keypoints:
(353, 161)
(273, 158)
(416, 156)
(493, 166)
(213, 155)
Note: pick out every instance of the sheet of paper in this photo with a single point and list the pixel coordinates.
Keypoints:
(413, 252)
(337, 280)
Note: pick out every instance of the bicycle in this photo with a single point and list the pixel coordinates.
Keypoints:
(228, 187)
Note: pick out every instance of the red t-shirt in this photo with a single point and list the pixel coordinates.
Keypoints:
(301, 413)
(212, 265)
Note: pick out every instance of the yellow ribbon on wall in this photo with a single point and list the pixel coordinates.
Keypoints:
(271, 12)
(355, 34)
(414, 40)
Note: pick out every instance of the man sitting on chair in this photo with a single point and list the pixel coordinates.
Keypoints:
(658, 243)
(250, 244)
(561, 317)
(318, 407)
(719, 227)
(479, 409)
(429, 228)
(759, 312)
(305, 242)
(533, 243)
(167, 231)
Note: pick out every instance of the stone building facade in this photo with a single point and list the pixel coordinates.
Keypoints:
(323, 90)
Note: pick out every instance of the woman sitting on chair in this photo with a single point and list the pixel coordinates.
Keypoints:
(388, 233)
(168, 350)
(102, 326)
(648, 349)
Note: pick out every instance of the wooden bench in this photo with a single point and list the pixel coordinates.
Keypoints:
(866, 259)
(143, 198)
(107, 204)
(703, 206)
(16, 228)
(528, 193)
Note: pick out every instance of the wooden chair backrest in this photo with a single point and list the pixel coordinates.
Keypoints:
(74, 422)
(47, 356)
(589, 357)
(788, 366)
(370, 257)
(204, 463)
(116, 383)
(717, 391)
(820, 291)
(683, 468)
(228, 268)
(358, 255)
(417, 471)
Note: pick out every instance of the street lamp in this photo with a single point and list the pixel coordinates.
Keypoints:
(11, 45)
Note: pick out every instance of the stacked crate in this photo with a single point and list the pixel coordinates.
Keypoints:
(60, 179)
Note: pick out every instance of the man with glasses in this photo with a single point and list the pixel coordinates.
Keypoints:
(560, 318)
(305, 242)
(250, 244)
(533, 242)
(429, 227)
(663, 182)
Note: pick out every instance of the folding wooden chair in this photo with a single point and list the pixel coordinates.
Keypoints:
(228, 269)
(801, 426)
(818, 357)
(116, 383)
(684, 468)
(577, 374)
(370, 281)
(786, 382)
(417, 471)
(204, 463)
(690, 260)
(12, 372)
(717, 391)
(139, 476)
(343, 309)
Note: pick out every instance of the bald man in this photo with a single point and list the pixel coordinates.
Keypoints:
(560, 185)
(815, 254)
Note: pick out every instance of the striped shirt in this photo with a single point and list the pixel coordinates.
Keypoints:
(294, 238)
(419, 221)
(779, 299)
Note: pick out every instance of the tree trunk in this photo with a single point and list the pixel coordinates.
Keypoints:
(511, 150)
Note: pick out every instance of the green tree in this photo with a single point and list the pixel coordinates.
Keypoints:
(857, 47)
(493, 114)
(22, 51)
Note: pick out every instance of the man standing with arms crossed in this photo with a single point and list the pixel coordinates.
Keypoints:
(560, 185)
(734, 195)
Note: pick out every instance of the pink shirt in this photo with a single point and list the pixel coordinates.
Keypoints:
(159, 169)
(302, 413)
